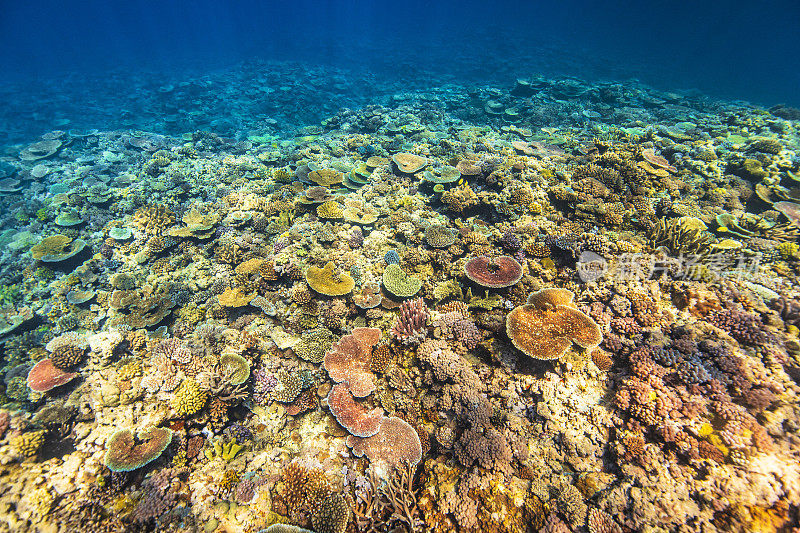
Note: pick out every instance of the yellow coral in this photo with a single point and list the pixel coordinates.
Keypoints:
(788, 250)
(329, 210)
(189, 398)
(53, 245)
(191, 313)
(234, 298)
(28, 444)
(227, 451)
(328, 281)
(129, 370)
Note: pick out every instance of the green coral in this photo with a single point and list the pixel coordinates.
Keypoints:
(313, 344)
(9, 294)
(43, 214)
(400, 284)
(486, 302)
(235, 367)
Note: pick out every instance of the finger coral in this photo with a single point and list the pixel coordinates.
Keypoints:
(549, 324)
(411, 324)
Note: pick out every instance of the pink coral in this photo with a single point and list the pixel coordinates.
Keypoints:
(395, 443)
(410, 326)
(45, 376)
(349, 360)
(352, 416)
(493, 273)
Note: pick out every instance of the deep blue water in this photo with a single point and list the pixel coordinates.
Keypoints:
(737, 50)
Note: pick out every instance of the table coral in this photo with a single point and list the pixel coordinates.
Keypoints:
(354, 418)
(349, 360)
(126, 450)
(328, 281)
(400, 284)
(493, 273)
(548, 324)
(45, 375)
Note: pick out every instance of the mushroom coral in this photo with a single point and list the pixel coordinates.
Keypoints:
(547, 325)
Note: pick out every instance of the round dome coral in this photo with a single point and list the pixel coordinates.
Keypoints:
(493, 273)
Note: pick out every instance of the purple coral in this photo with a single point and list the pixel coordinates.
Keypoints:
(410, 326)
(356, 238)
(510, 242)
(455, 326)
(264, 382)
(157, 496)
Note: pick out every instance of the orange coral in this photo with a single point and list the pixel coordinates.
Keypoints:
(548, 324)
(349, 360)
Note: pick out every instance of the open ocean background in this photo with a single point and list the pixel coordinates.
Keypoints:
(80, 63)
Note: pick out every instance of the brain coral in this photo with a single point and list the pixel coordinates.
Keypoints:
(352, 416)
(395, 443)
(349, 360)
(328, 281)
(548, 324)
(399, 283)
(126, 452)
(493, 273)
